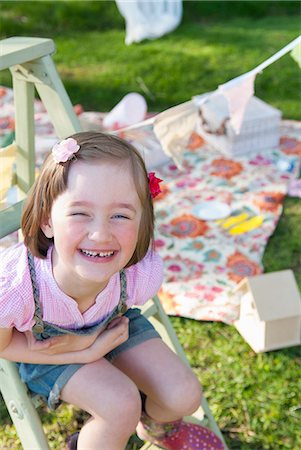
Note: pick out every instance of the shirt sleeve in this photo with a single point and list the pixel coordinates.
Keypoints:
(16, 298)
(144, 279)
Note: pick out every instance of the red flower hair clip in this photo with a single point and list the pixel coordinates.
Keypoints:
(153, 183)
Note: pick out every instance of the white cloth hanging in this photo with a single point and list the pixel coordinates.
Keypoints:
(149, 19)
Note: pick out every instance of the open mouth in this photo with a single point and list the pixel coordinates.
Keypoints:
(92, 254)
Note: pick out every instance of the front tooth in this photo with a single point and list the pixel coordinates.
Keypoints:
(105, 254)
(91, 253)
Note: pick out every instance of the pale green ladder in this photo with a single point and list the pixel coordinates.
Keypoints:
(32, 67)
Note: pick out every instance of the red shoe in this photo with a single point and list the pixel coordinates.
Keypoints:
(178, 435)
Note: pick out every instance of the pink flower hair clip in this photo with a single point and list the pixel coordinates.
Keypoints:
(64, 150)
(153, 183)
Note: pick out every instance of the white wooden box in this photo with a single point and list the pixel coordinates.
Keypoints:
(260, 129)
(270, 311)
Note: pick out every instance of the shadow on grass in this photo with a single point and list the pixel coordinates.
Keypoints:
(194, 59)
(43, 18)
(4, 416)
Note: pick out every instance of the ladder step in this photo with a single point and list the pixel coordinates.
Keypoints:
(18, 50)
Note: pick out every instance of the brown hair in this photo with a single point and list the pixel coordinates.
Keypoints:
(52, 181)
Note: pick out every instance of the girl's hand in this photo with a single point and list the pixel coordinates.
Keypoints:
(36, 346)
(114, 322)
(115, 334)
(60, 344)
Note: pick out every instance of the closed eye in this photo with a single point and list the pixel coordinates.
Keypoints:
(78, 214)
(120, 216)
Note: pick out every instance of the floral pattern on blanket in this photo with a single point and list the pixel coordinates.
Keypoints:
(203, 260)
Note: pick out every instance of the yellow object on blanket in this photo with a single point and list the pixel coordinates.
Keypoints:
(248, 225)
(234, 220)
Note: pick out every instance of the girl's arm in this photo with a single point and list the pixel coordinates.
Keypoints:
(18, 349)
(60, 344)
(65, 343)
(5, 337)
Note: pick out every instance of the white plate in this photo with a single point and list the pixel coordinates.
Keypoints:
(211, 210)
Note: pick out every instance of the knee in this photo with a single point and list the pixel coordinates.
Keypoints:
(126, 408)
(193, 395)
(186, 395)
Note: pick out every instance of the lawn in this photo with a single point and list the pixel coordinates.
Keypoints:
(254, 398)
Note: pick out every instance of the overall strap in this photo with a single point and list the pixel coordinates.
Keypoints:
(122, 307)
(39, 325)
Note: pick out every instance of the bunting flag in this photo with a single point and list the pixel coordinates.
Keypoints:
(239, 90)
(238, 93)
(296, 54)
(173, 127)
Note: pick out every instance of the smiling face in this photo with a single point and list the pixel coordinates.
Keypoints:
(95, 225)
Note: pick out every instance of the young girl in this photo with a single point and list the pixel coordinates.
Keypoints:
(67, 299)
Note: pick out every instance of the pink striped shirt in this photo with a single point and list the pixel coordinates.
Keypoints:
(16, 297)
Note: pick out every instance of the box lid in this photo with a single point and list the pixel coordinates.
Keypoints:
(275, 295)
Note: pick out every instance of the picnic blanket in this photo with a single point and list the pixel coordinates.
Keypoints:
(203, 259)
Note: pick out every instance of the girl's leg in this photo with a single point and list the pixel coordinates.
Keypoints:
(172, 389)
(113, 401)
(172, 392)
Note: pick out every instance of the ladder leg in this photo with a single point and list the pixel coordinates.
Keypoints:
(55, 98)
(21, 409)
(24, 126)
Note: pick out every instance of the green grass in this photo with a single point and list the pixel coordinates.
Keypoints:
(255, 398)
(98, 69)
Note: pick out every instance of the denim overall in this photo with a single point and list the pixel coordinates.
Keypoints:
(48, 379)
